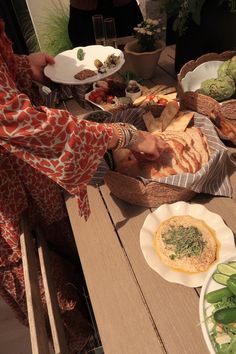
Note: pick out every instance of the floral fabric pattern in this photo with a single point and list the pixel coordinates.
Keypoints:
(38, 147)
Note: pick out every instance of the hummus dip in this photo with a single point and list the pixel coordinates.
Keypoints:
(186, 244)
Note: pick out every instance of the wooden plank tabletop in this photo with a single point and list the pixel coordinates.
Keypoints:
(136, 310)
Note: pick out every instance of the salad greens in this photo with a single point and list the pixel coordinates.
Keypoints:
(222, 333)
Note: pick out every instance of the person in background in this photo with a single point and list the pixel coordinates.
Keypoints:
(44, 151)
(126, 13)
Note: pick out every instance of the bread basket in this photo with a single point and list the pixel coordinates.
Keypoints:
(152, 193)
(199, 102)
(149, 195)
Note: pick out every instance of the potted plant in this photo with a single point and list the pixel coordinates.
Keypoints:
(201, 26)
(143, 53)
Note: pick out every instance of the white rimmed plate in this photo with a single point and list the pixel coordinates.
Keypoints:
(86, 96)
(193, 79)
(205, 309)
(223, 233)
(67, 64)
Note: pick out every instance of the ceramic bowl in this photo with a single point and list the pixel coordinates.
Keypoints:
(193, 79)
(133, 95)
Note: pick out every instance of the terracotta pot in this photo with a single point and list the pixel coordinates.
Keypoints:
(143, 64)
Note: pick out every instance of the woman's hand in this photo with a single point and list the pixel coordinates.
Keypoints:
(145, 145)
(148, 146)
(37, 62)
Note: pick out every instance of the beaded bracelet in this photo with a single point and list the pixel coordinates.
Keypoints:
(128, 135)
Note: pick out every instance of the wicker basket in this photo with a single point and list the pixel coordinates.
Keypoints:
(201, 103)
(153, 194)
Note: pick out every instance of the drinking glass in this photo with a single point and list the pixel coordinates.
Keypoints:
(110, 31)
(98, 28)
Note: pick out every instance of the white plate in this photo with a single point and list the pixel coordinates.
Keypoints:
(223, 233)
(205, 307)
(193, 79)
(67, 64)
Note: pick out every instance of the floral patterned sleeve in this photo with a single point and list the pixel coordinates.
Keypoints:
(24, 80)
(51, 140)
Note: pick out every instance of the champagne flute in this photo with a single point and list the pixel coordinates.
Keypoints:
(98, 28)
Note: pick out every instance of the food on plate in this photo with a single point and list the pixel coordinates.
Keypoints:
(222, 70)
(101, 84)
(98, 63)
(126, 163)
(168, 113)
(155, 95)
(186, 243)
(97, 116)
(152, 124)
(107, 92)
(111, 61)
(228, 68)
(84, 74)
(80, 54)
(227, 130)
(186, 152)
(180, 122)
(220, 88)
(220, 314)
(231, 70)
(133, 86)
(187, 149)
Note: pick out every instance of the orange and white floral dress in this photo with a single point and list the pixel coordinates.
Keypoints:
(41, 150)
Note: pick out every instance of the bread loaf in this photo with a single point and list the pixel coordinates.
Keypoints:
(186, 152)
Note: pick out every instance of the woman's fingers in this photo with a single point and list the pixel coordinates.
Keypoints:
(49, 59)
(148, 147)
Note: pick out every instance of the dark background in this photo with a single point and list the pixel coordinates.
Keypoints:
(10, 11)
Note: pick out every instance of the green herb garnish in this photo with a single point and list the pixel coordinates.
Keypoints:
(185, 241)
(80, 54)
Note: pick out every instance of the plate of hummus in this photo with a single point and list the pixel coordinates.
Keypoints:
(183, 241)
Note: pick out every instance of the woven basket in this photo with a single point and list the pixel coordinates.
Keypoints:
(201, 103)
(153, 194)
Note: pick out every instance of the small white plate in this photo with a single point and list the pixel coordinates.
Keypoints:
(86, 96)
(204, 307)
(224, 236)
(193, 79)
(67, 64)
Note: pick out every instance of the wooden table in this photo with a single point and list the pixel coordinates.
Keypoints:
(137, 311)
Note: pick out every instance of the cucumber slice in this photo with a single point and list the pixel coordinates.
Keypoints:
(226, 269)
(232, 264)
(220, 278)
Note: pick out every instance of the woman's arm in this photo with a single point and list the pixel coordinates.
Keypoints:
(54, 142)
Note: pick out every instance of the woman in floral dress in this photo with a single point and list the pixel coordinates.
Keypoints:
(41, 150)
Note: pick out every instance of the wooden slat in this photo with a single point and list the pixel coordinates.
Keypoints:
(57, 328)
(173, 307)
(38, 334)
(123, 321)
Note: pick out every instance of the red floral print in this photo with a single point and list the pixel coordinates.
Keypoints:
(38, 147)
